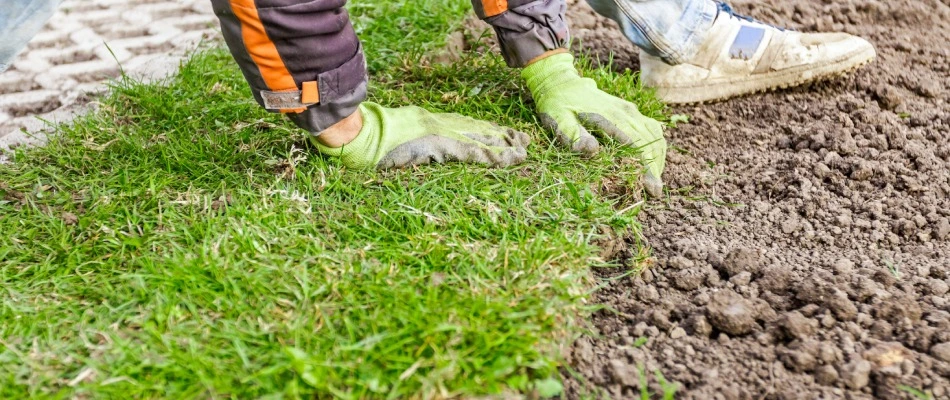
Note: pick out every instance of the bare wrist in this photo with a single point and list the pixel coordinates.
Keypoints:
(343, 132)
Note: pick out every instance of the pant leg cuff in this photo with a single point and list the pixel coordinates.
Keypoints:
(528, 31)
(692, 27)
(341, 90)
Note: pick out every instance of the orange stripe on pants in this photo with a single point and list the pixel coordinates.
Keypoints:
(494, 7)
(262, 50)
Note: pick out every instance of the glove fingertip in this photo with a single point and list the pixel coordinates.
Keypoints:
(516, 156)
(653, 185)
(548, 122)
(585, 144)
(518, 138)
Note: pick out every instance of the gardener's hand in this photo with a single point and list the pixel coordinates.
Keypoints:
(567, 103)
(400, 137)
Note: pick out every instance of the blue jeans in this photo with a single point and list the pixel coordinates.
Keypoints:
(19, 21)
(669, 29)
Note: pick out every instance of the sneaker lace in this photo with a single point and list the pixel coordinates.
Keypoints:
(726, 8)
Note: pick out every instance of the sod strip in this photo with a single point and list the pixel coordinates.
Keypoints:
(182, 243)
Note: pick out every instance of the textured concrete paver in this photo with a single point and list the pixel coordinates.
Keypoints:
(83, 46)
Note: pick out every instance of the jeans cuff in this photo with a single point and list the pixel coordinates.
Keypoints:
(692, 27)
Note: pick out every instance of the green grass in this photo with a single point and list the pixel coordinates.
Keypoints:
(396, 30)
(180, 242)
(916, 393)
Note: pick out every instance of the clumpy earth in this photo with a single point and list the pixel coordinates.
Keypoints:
(803, 251)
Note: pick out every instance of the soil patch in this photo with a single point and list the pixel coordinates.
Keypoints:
(804, 253)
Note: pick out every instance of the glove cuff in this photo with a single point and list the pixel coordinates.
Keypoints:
(548, 72)
(359, 152)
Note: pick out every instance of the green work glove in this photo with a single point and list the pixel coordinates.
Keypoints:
(567, 103)
(400, 137)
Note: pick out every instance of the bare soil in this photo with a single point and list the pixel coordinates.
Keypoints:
(803, 253)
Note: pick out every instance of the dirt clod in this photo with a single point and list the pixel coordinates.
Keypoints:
(700, 326)
(623, 373)
(677, 333)
(826, 375)
(856, 374)
(797, 326)
(889, 97)
(887, 356)
(939, 287)
(740, 260)
(688, 279)
(941, 351)
(843, 308)
(800, 356)
(730, 313)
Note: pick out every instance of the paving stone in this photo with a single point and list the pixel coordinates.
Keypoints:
(82, 47)
(15, 81)
(33, 98)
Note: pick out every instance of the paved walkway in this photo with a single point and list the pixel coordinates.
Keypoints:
(82, 47)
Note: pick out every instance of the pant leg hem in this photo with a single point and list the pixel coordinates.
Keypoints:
(693, 25)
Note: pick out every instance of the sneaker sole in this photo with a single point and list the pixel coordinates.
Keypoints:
(711, 92)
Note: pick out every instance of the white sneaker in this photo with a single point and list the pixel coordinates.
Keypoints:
(742, 56)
